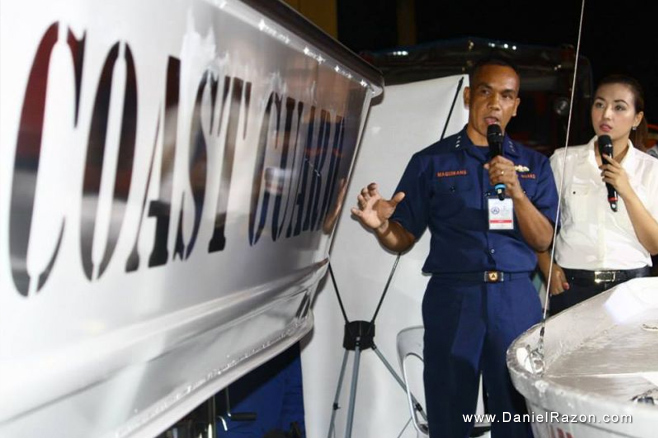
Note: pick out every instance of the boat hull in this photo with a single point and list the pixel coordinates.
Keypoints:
(171, 173)
(598, 357)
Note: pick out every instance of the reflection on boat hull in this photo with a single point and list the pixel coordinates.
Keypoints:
(168, 195)
(600, 366)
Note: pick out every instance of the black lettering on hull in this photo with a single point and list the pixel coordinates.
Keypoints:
(28, 154)
(160, 209)
(240, 97)
(96, 150)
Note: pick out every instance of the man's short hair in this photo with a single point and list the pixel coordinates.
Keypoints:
(491, 60)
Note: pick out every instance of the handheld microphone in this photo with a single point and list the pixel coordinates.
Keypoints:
(495, 140)
(605, 147)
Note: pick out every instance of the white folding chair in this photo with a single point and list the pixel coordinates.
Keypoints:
(410, 343)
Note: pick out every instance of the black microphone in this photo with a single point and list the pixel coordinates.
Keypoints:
(605, 147)
(495, 140)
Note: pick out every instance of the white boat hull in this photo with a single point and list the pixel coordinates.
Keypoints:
(170, 176)
(598, 356)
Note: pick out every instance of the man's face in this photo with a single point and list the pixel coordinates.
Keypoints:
(491, 98)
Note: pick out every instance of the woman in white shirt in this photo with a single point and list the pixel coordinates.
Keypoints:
(598, 248)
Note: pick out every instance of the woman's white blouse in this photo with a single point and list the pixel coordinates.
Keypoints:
(592, 236)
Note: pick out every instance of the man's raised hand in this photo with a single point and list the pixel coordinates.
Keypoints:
(372, 210)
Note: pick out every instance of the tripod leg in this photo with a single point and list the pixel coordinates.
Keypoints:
(335, 405)
(395, 375)
(355, 378)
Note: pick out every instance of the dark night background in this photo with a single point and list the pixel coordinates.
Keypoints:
(617, 37)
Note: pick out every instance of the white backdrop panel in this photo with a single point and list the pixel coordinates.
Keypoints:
(409, 118)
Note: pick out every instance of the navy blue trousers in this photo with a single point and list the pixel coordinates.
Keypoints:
(468, 328)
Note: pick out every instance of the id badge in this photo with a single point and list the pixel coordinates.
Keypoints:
(501, 214)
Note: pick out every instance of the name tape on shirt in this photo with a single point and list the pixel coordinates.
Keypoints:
(451, 173)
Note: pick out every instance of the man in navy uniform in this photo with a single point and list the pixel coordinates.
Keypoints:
(482, 252)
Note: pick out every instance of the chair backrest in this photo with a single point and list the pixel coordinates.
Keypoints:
(410, 343)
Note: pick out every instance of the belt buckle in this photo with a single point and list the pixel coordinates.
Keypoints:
(494, 276)
(605, 276)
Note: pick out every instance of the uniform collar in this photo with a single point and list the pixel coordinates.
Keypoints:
(590, 154)
(630, 159)
(628, 163)
(464, 143)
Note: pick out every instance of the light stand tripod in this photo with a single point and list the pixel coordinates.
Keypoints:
(359, 336)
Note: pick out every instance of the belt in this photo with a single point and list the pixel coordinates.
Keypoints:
(612, 276)
(483, 276)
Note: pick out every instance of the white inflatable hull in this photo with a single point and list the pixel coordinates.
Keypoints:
(598, 357)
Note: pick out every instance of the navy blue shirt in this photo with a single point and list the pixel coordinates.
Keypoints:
(447, 188)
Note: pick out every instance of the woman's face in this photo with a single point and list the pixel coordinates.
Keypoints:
(613, 111)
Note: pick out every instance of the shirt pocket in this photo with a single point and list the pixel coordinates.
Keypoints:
(576, 205)
(452, 185)
(451, 195)
(529, 186)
